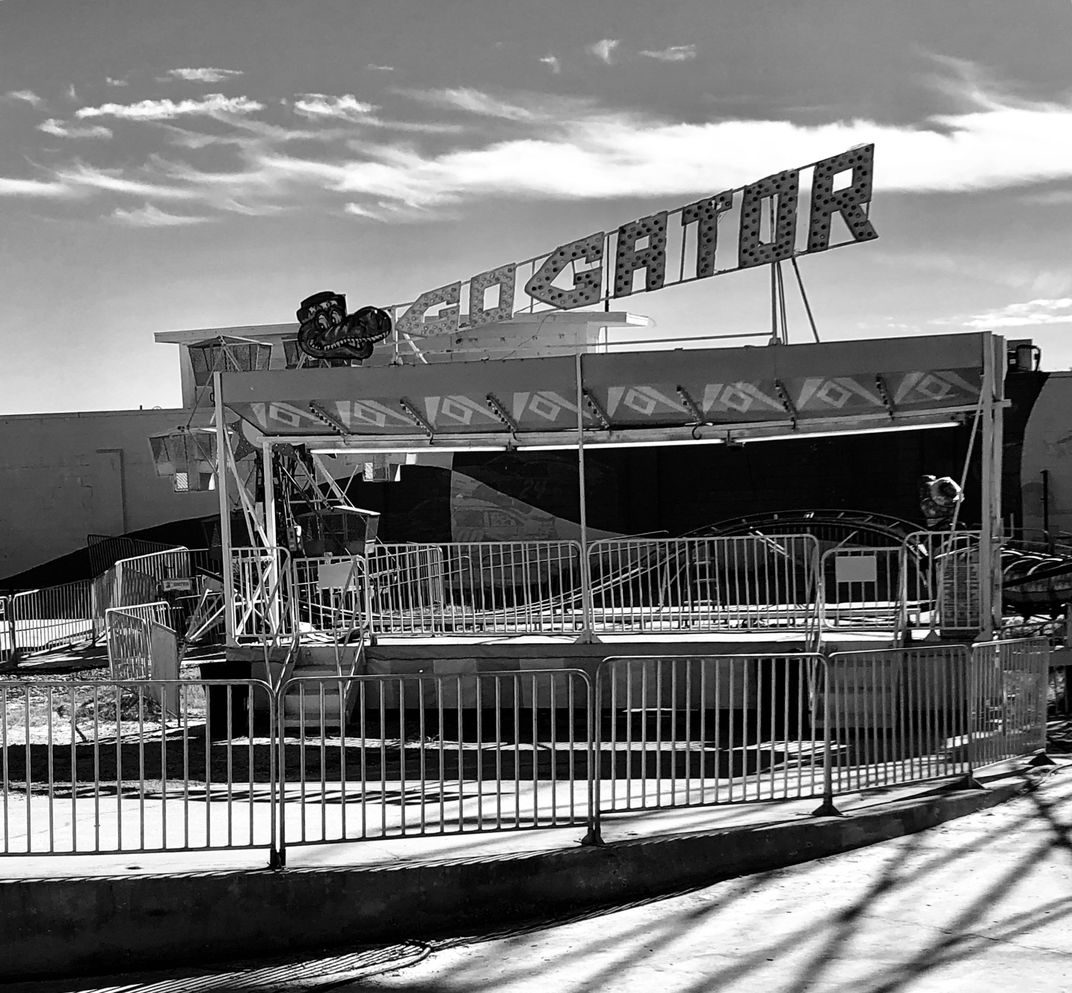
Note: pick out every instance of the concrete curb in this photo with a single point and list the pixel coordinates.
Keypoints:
(78, 926)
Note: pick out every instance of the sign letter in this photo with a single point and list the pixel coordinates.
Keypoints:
(587, 284)
(652, 259)
(414, 322)
(503, 277)
(751, 251)
(706, 213)
(846, 202)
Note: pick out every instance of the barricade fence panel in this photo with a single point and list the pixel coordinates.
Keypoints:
(678, 731)
(703, 584)
(944, 566)
(263, 609)
(495, 587)
(53, 618)
(130, 638)
(152, 765)
(896, 715)
(367, 757)
(866, 587)
(1009, 688)
(330, 594)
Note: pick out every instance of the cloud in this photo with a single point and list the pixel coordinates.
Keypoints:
(553, 62)
(33, 188)
(379, 68)
(474, 102)
(61, 130)
(115, 82)
(25, 96)
(152, 217)
(675, 53)
(321, 106)
(211, 105)
(112, 181)
(604, 49)
(1030, 313)
(203, 75)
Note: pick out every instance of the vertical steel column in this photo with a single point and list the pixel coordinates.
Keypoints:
(990, 502)
(586, 578)
(274, 586)
(222, 466)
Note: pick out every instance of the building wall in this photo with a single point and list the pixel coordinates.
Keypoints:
(63, 476)
(1048, 446)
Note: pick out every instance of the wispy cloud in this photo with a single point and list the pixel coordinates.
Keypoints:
(116, 82)
(214, 104)
(25, 96)
(153, 217)
(90, 177)
(553, 63)
(61, 129)
(34, 188)
(321, 106)
(205, 74)
(675, 53)
(1030, 313)
(604, 49)
(378, 68)
(474, 102)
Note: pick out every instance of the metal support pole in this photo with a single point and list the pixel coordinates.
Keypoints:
(586, 581)
(990, 497)
(222, 465)
(274, 582)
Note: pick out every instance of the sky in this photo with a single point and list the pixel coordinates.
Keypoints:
(173, 164)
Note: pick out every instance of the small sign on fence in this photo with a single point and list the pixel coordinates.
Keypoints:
(184, 585)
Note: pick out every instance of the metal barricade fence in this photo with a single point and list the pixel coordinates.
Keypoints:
(7, 630)
(896, 715)
(99, 767)
(680, 731)
(704, 584)
(864, 588)
(130, 638)
(1009, 685)
(368, 757)
(406, 592)
(54, 617)
(946, 596)
(492, 587)
(330, 594)
(262, 609)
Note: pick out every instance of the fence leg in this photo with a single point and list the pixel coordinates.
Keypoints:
(969, 782)
(827, 808)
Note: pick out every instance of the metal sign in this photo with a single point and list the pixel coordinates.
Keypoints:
(666, 248)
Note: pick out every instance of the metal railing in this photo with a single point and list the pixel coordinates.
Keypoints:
(99, 767)
(865, 588)
(130, 639)
(331, 595)
(493, 587)
(434, 754)
(53, 618)
(946, 576)
(896, 715)
(157, 765)
(700, 730)
(1008, 696)
(262, 610)
(704, 584)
